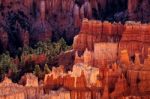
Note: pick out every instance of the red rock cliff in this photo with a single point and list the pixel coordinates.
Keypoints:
(96, 31)
(131, 36)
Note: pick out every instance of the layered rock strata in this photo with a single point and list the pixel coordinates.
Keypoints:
(29, 80)
(93, 31)
(115, 81)
(9, 90)
(131, 36)
(81, 77)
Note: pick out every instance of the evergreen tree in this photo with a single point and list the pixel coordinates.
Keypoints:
(14, 72)
(37, 71)
(63, 44)
(46, 69)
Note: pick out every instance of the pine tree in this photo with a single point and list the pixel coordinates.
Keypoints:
(14, 72)
(63, 44)
(37, 71)
(46, 69)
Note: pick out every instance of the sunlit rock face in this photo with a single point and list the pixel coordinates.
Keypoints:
(103, 53)
(105, 70)
(112, 80)
(138, 77)
(29, 80)
(135, 38)
(81, 77)
(86, 82)
(96, 31)
(132, 36)
(128, 46)
(124, 57)
(10, 90)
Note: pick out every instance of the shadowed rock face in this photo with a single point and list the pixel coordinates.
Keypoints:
(14, 22)
(53, 19)
(139, 10)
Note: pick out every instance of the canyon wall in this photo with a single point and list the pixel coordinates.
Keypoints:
(10, 90)
(112, 85)
(103, 53)
(96, 31)
(3, 39)
(130, 50)
(139, 10)
(53, 19)
(131, 36)
(135, 38)
(107, 83)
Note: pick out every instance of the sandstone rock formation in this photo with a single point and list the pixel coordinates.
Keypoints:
(120, 87)
(114, 81)
(60, 94)
(117, 50)
(28, 3)
(96, 31)
(124, 57)
(29, 80)
(138, 83)
(80, 78)
(9, 90)
(63, 18)
(130, 51)
(138, 10)
(131, 36)
(135, 41)
(25, 38)
(78, 81)
(3, 39)
(103, 53)
(144, 80)
(106, 88)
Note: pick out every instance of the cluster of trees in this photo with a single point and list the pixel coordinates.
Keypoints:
(51, 50)
(16, 67)
(39, 73)
(7, 66)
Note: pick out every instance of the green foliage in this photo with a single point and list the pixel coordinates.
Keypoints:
(15, 72)
(14, 68)
(5, 60)
(6, 64)
(50, 49)
(37, 71)
(63, 45)
(46, 69)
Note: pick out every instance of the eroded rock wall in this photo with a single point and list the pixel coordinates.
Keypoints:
(132, 36)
